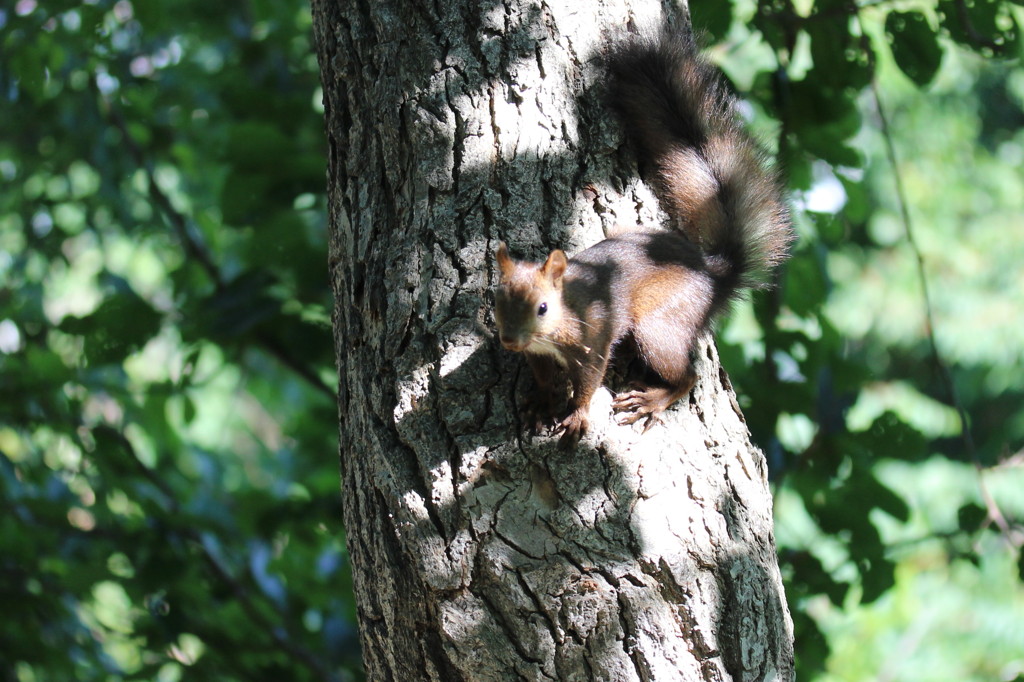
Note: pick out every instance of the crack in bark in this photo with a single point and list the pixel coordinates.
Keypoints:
(553, 628)
(412, 474)
(511, 633)
(683, 598)
(629, 632)
(516, 547)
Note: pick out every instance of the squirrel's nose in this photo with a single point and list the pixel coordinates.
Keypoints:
(513, 343)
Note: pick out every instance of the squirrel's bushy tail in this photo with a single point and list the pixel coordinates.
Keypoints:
(708, 174)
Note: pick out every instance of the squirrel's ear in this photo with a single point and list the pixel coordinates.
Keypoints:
(505, 264)
(554, 267)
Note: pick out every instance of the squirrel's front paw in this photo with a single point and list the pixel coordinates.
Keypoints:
(572, 428)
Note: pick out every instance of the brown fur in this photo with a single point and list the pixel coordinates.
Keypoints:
(662, 288)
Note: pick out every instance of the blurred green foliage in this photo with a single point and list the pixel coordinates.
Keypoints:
(169, 476)
(898, 125)
(168, 459)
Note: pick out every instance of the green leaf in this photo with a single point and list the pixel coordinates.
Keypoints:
(112, 453)
(798, 167)
(188, 408)
(811, 578)
(830, 228)
(866, 487)
(986, 26)
(877, 575)
(857, 206)
(804, 283)
(279, 239)
(122, 324)
(243, 197)
(810, 647)
(712, 17)
(841, 60)
(823, 118)
(971, 517)
(767, 21)
(237, 308)
(890, 436)
(258, 146)
(914, 45)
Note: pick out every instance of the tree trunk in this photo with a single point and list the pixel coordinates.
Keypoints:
(478, 552)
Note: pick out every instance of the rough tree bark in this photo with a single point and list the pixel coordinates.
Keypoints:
(480, 553)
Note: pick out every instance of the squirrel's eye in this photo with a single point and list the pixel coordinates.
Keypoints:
(542, 309)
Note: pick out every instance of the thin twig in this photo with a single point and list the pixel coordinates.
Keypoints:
(972, 32)
(192, 243)
(271, 346)
(178, 222)
(994, 513)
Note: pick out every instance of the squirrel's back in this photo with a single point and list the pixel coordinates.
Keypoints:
(662, 288)
(709, 175)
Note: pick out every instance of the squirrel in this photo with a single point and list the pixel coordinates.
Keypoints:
(663, 288)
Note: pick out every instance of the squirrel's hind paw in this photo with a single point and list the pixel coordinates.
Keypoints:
(647, 403)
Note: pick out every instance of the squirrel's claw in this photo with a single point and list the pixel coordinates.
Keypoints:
(572, 429)
(652, 419)
(638, 405)
(535, 422)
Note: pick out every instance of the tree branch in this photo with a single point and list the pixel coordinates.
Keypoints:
(187, 234)
(181, 225)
